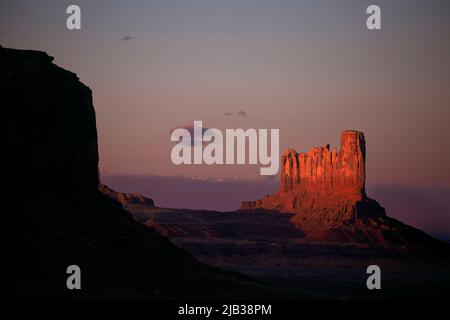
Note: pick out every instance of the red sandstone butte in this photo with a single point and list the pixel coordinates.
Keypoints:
(325, 171)
(326, 191)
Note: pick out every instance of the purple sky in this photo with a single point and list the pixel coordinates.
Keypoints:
(309, 68)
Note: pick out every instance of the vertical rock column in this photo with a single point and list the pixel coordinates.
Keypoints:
(322, 170)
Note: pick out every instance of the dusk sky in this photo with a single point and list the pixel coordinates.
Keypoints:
(309, 68)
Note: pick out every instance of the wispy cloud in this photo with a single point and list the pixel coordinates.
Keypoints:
(224, 194)
(239, 113)
(127, 38)
(190, 127)
(242, 113)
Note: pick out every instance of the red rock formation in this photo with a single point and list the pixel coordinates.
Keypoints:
(324, 171)
(126, 199)
(326, 189)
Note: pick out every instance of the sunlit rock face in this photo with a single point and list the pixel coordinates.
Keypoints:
(326, 190)
(326, 171)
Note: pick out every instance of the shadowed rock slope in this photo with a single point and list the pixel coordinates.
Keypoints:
(56, 216)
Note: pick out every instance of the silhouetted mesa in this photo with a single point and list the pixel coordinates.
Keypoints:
(50, 131)
(325, 189)
(59, 217)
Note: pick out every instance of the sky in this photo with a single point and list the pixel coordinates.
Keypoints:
(308, 68)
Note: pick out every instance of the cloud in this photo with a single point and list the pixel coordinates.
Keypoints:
(224, 194)
(239, 113)
(190, 127)
(242, 113)
(126, 38)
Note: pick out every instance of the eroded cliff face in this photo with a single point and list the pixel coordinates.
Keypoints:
(326, 171)
(326, 191)
(49, 131)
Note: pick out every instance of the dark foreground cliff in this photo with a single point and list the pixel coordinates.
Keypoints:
(49, 125)
(54, 216)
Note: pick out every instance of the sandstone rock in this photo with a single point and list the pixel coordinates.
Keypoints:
(324, 171)
(127, 199)
(326, 190)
